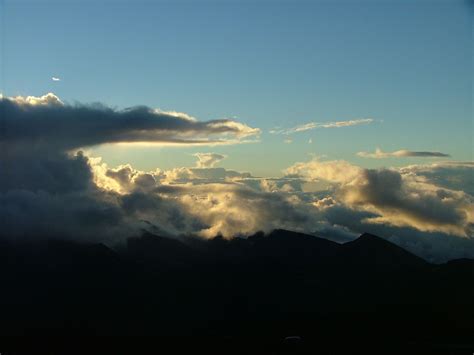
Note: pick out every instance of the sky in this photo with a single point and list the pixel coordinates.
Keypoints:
(207, 118)
(269, 64)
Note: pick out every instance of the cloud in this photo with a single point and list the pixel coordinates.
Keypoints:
(276, 185)
(46, 100)
(344, 223)
(50, 189)
(208, 160)
(209, 201)
(125, 178)
(235, 209)
(47, 123)
(337, 171)
(54, 78)
(202, 175)
(394, 197)
(54, 172)
(316, 125)
(379, 154)
(454, 175)
(288, 141)
(349, 123)
(300, 128)
(80, 197)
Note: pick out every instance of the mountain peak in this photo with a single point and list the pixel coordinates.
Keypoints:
(368, 236)
(380, 251)
(371, 240)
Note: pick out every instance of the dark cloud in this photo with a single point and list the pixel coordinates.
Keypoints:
(395, 197)
(379, 154)
(31, 215)
(46, 123)
(55, 172)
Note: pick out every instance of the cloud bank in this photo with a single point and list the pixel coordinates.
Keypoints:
(50, 189)
(46, 123)
(395, 197)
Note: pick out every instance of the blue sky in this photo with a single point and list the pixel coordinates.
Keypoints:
(406, 65)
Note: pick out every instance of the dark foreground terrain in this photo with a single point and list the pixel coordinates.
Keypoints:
(241, 296)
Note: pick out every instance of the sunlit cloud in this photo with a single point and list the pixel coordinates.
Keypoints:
(208, 160)
(316, 125)
(55, 78)
(49, 99)
(395, 196)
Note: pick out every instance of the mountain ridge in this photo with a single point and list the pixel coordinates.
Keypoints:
(280, 283)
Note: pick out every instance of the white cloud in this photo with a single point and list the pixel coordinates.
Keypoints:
(208, 160)
(317, 125)
(349, 123)
(54, 78)
(49, 99)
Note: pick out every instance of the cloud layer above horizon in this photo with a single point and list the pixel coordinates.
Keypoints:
(50, 189)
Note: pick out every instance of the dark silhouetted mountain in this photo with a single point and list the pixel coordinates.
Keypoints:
(160, 251)
(370, 250)
(292, 248)
(276, 285)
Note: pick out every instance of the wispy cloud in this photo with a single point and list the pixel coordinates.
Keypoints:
(315, 125)
(403, 153)
(55, 78)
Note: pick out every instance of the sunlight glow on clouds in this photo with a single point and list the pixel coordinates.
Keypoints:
(50, 188)
(46, 100)
(208, 160)
(397, 198)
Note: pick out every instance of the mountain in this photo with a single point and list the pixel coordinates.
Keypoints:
(369, 291)
(374, 251)
(160, 251)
